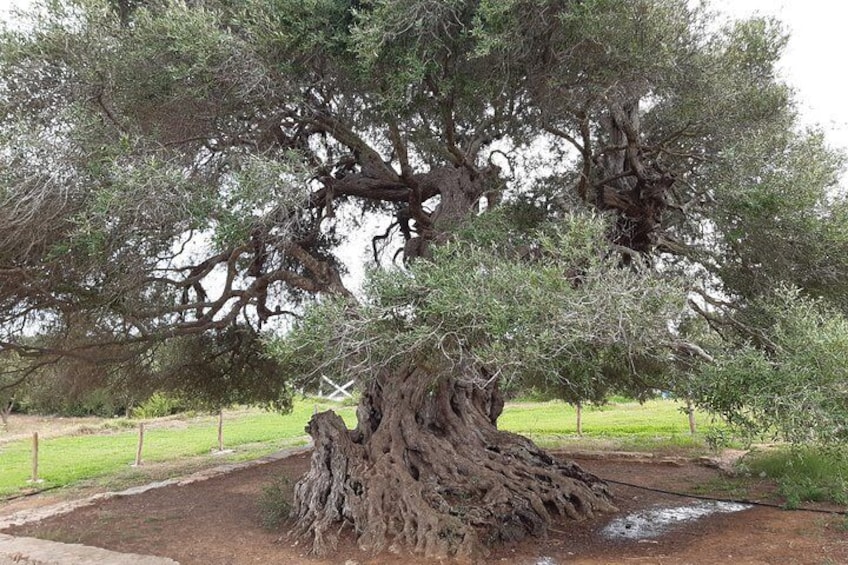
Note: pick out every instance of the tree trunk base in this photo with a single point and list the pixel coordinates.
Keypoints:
(429, 473)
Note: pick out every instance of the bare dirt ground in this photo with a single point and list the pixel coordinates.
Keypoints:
(21, 426)
(218, 522)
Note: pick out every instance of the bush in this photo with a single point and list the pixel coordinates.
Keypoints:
(793, 385)
(159, 405)
(45, 395)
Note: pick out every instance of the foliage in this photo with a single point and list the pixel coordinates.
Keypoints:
(159, 405)
(229, 367)
(74, 390)
(782, 222)
(562, 315)
(204, 372)
(793, 382)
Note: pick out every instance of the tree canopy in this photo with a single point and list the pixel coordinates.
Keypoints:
(586, 193)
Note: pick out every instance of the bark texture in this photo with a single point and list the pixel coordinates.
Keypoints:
(426, 470)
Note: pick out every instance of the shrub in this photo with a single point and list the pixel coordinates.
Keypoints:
(274, 502)
(794, 384)
(805, 474)
(160, 404)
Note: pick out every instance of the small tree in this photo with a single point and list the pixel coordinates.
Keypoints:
(6, 406)
(9, 385)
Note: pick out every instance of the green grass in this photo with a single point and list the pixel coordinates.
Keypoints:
(70, 459)
(103, 457)
(804, 474)
(653, 419)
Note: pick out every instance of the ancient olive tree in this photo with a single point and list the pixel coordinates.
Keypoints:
(426, 465)
(178, 176)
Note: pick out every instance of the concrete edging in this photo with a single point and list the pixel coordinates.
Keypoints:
(33, 551)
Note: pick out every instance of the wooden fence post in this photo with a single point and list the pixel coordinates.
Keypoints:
(140, 445)
(579, 407)
(221, 430)
(221, 450)
(34, 478)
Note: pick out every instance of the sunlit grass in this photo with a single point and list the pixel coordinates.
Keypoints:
(662, 418)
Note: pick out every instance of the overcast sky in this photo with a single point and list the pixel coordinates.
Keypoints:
(813, 60)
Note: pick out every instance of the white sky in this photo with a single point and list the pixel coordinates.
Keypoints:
(813, 61)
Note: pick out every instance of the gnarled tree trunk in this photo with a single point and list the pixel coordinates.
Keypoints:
(426, 470)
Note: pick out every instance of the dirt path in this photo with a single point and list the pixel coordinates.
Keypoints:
(218, 522)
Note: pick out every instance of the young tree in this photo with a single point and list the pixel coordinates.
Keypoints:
(172, 169)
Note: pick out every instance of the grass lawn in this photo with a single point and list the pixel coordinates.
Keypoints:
(72, 459)
(623, 425)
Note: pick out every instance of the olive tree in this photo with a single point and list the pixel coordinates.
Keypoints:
(178, 176)
(431, 344)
